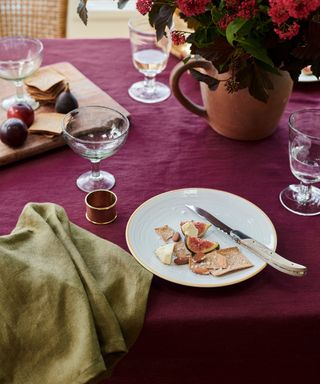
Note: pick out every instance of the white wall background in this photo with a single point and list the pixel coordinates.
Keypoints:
(104, 19)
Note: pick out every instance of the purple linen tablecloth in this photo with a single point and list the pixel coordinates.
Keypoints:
(265, 328)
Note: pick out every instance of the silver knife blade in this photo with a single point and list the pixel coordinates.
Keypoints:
(213, 220)
(260, 250)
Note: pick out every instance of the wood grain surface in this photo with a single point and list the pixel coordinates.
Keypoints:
(86, 92)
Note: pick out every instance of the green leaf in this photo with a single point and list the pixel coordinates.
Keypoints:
(260, 85)
(254, 48)
(210, 81)
(243, 76)
(233, 28)
(204, 19)
(200, 37)
(257, 91)
(256, 79)
(203, 37)
(218, 52)
(161, 17)
(82, 11)
(268, 68)
(215, 14)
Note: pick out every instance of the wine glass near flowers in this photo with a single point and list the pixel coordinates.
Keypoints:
(149, 56)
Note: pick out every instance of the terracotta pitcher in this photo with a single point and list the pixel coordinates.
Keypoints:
(235, 115)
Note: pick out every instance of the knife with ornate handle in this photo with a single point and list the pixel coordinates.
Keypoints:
(270, 257)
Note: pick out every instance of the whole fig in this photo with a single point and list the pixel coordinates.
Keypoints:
(66, 101)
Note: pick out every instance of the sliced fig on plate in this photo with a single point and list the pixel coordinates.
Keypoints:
(201, 227)
(190, 227)
(196, 245)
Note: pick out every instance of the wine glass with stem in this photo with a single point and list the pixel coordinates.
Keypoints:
(20, 57)
(150, 57)
(95, 133)
(304, 155)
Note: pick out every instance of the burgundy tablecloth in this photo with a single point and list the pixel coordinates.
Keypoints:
(265, 328)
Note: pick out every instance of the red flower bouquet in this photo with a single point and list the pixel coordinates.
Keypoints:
(247, 38)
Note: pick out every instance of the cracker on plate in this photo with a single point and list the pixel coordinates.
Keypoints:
(221, 262)
(235, 259)
(165, 232)
(181, 250)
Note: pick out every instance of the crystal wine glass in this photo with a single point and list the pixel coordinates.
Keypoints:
(304, 154)
(19, 58)
(149, 57)
(95, 133)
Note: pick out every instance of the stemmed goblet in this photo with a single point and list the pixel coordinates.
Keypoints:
(304, 154)
(95, 133)
(19, 58)
(149, 57)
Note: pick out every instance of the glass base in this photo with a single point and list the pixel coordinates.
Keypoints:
(6, 103)
(87, 183)
(288, 198)
(138, 92)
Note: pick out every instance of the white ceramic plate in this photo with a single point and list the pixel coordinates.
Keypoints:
(169, 208)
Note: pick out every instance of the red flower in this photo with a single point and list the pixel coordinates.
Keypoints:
(178, 37)
(281, 10)
(246, 9)
(278, 12)
(301, 9)
(225, 21)
(193, 7)
(287, 31)
(144, 6)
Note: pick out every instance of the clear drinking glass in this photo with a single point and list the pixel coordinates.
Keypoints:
(149, 57)
(95, 133)
(304, 154)
(19, 58)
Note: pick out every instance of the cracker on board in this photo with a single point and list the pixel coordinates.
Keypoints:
(47, 123)
(50, 93)
(44, 79)
(45, 85)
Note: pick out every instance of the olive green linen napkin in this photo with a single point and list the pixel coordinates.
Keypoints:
(71, 303)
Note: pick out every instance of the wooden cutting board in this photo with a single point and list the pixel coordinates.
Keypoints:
(86, 92)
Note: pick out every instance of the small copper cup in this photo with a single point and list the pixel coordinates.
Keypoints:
(101, 206)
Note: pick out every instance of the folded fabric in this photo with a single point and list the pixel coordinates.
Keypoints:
(71, 303)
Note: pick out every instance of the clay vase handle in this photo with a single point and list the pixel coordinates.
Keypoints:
(175, 76)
